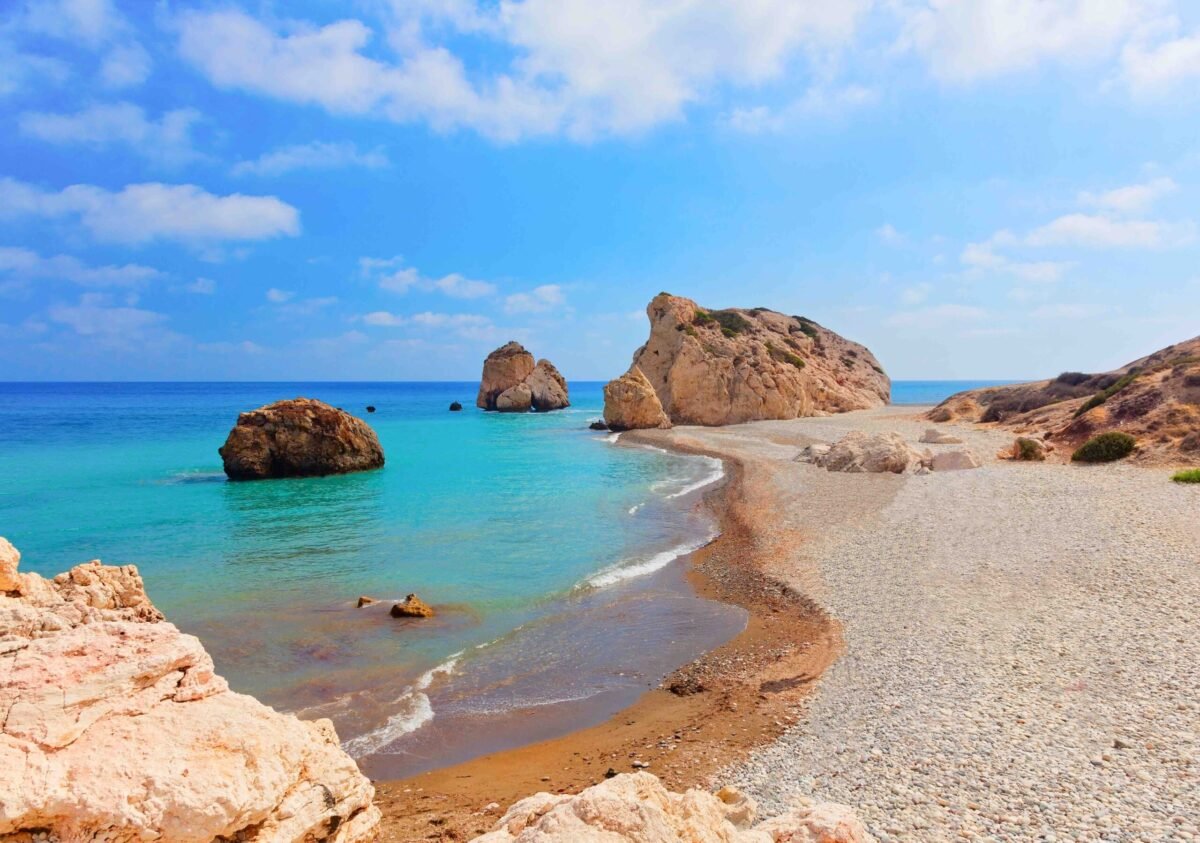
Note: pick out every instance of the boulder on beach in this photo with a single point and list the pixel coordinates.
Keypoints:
(412, 607)
(933, 436)
(300, 437)
(859, 452)
(954, 461)
(116, 727)
(637, 808)
(630, 403)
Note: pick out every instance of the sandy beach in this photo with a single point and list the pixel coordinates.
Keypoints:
(997, 673)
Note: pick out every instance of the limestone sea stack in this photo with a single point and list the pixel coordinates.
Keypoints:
(717, 367)
(513, 383)
(301, 437)
(116, 727)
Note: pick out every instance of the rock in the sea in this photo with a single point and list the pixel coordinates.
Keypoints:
(727, 366)
(933, 436)
(548, 387)
(630, 403)
(858, 452)
(516, 399)
(503, 369)
(597, 425)
(370, 408)
(512, 383)
(366, 601)
(954, 461)
(412, 607)
(455, 407)
(636, 808)
(301, 437)
(117, 728)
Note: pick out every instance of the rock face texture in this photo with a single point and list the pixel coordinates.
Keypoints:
(412, 607)
(636, 808)
(512, 383)
(117, 728)
(630, 403)
(871, 453)
(299, 438)
(728, 366)
(1155, 399)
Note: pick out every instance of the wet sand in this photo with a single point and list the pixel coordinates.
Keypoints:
(705, 715)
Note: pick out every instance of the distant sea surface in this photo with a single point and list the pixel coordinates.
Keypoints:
(549, 552)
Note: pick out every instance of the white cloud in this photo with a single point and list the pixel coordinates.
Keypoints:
(1100, 232)
(168, 138)
(317, 155)
(968, 40)
(202, 286)
(18, 69)
(301, 307)
(916, 293)
(1161, 67)
(466, 325)
(1131, 198)
(122, 327)
(277, 296)
(125, 65)
(1067, 311)
(887, 233)
(91, 21)
(983, 257)
(141, 213)
(819, 102)
(538, 300)
(391, 274)
(23, 263)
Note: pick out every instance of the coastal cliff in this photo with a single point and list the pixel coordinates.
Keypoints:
(718, 367)
(1155, 399)
(116, 727)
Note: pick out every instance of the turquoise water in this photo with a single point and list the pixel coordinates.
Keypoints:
(546, 549)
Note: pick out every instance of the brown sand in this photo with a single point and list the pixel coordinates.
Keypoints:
(705, 715)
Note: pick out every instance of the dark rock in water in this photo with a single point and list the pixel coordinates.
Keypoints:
(366, 601)
(455, 407)
(370, 408)
(299, 438)
(597, 425)
(412, 607)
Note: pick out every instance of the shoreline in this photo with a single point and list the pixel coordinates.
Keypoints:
(704, 716)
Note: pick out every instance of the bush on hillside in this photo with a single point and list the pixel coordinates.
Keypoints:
(1106, 447)
(1192, 475)
(1030, 450)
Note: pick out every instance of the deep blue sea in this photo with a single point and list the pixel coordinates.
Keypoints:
(545, 547)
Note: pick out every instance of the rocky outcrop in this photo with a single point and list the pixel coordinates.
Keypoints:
(513, 383)
(716, 367)
(1155, 399)
(301, 437)
(116, 728)
(636, 808)
(412, 607)
(933, 436)
(871, 453)
(630, 403)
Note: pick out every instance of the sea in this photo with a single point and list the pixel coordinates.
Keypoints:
(554, 555)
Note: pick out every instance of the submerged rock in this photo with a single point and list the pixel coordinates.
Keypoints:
(512, 383)
(301, 437)
(455, 407)
(412, 607)
(637, 808)
(116, 727)
(873, 453)
(630, 403)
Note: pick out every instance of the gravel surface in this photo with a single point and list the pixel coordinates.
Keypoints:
(1022, 653)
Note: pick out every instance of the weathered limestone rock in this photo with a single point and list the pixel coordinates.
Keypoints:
(511, 382)
(548, 387)
(364, 600)
(729, 366)
(954, 461)
(117, 728)
(503, 369)
(630, 403)
(858, 452)
(516, 399)
(10, 558)
(636, 808)
(933, 436)
(299, 438)
(412, 607)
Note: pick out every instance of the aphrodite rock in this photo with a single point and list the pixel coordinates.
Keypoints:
(858, 452)
(954, 461)
(299, 438)
(412, 607)
(933, 436)
(729, 366)
(636, 808)
(117, 728)
(548, 387)
(516, 399)
(630, 403)
(503, 369)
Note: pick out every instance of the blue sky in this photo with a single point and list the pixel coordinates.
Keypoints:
(388, 190)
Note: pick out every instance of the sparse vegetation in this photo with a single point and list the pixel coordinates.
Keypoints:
(877, 368)
(1103, 396)
(1191, 475)
(1030, 450)
(731, 322)
(1073, 378)
(807, 327)
(1106, 447)
(785, 356)
(702, 317)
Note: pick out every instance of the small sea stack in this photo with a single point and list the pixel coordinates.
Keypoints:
(455, 407)
(513, 383)
(412, 607)
(370, 408)
(300, 437)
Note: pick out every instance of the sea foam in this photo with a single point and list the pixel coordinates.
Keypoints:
(415, 711)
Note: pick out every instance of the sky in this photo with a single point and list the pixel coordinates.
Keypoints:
(389, 189)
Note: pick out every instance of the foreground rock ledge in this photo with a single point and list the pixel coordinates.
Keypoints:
(115, 727)
(636, 807)
(300, 437)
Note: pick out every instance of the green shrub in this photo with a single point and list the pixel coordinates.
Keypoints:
(807, 326)
(1030, 450)
(702, 317)
(730, 320)
(1106, 447)
(1102, 396)
(1073, 378)
(785, 356)
(1192, 475)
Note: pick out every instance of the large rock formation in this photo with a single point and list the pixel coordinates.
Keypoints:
(512, 383)
(299, 438)
(115, 727)
(630, 403)
(728, 366)
(1155, 399)
(636, 808)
